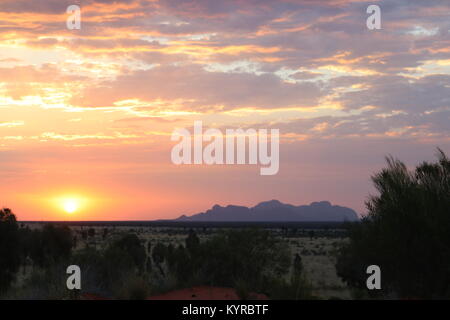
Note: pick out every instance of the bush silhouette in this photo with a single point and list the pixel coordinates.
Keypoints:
(10, 253)
(108, 271)
(406, 232)
(244, 259)
(50, 245)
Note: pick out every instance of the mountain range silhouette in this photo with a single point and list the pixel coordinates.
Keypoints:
(274, 210)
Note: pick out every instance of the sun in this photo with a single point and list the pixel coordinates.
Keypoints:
(70, 205)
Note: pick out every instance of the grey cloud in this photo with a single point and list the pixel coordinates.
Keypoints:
(233, 90)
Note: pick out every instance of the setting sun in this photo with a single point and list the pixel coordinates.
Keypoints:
(70, 205)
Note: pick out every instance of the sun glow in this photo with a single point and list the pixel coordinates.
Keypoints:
(70, 205)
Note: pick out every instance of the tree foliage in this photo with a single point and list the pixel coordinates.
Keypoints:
(252, 258)
(406, 232)
(52, 244)
(107, 271)
(9, 248)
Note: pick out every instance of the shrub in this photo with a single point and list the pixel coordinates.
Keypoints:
(10, 253)
(406, 232)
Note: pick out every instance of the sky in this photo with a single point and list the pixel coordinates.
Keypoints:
(86, 116)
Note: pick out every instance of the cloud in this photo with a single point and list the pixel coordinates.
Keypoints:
(204, 89)
(401, 93)
(111, 93)
(11, 124)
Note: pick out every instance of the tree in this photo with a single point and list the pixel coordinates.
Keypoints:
(10, 252)
(52, 244)
(192, 241)
(148, 265)
(91, 232)
(131, 245)
(406, 232)
(149, 247)
(298, 265)
(109, 270)
(105, 233)
(250, 258)
(158, 256)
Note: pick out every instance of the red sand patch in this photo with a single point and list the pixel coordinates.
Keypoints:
(205, 293)
(91, 296)
(194, 293)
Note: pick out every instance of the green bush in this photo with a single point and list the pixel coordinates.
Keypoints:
(406, 233)
(10, 253)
